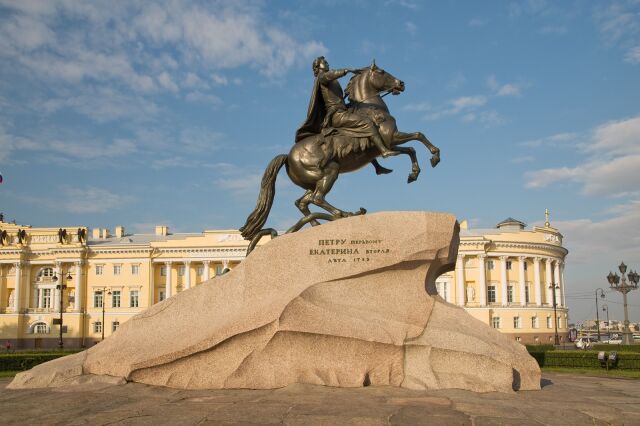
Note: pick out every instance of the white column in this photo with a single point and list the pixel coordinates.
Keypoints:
(548, 279)
(39, 295)
(556, 280)
(77, 306)
(536, 280)
(562, 296)
(54, 293)
(206, 270)
(483, 279)
(167, 286)
(187, 274)
(151, 291)
(225, 264)
(522, 281)
(17, 294)
(460, 279)
(503, 279)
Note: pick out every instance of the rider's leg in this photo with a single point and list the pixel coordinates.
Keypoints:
(362, 125)
(379, 143)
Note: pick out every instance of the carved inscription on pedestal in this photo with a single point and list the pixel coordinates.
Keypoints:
(349, 250)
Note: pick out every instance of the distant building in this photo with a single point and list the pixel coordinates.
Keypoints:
(503, 278)
(125, 273)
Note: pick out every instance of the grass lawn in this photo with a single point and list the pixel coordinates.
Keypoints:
(8, 373)
(631, 374)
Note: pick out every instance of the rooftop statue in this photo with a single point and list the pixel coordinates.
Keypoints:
(335, 138)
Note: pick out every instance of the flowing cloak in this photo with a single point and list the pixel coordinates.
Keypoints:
(315, 114)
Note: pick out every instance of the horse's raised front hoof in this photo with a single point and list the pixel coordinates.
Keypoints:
(412, 177)
(361, 211)
(435, 160)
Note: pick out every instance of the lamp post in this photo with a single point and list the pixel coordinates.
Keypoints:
(623, 286)
(553, 287)
(597, 316)
(104, 293)
(605, 307)
(62, 286)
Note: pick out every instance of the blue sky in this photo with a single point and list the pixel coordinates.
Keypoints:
(136, 114)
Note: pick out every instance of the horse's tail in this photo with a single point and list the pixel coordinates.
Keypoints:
(258, 217)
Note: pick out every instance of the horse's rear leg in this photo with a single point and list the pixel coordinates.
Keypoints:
(302, 204)
(324, 185)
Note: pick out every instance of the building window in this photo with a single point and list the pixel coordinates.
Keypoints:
(200, 271)
(135, 269)
(181, 270)
(525, 264)
(115, 325)
(510, 294)
(526, 292)
(99, 269)
(117, 269)
(133, 299)
(518, 339)
(115, 299)
(442, 289)
(40, 328)
(559, 322)
(491, 294)
(161, 296)
(495, 322)
(97, 327)
(45, 274)
(549, 322)
(516, 322)
(534, 322)
(46, 298)
(163, 271)
(97, 299)
(490, 265)
(508, 265)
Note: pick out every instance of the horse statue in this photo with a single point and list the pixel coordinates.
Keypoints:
(315, 162)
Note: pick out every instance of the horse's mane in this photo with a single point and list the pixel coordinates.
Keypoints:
(352, 84)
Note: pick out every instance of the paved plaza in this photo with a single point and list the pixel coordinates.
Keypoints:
(564, 400)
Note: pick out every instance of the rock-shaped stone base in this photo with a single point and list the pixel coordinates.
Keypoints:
(349, 303)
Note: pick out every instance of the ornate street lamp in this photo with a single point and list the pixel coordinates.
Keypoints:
(597, 315)
(62, 286)
(554, 287)
(104, 293)
(623, 286)
(605, 307)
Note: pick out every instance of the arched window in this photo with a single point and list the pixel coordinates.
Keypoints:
(39, 328)
(45, 274)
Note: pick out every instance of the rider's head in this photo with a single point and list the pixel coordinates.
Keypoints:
(320, 63)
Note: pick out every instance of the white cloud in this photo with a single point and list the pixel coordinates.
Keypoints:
(244, 186)
(613, 153)
(457, 106)
(457, 81)
(508, 89)
(633, 55)
(565, 138)
(219, 79)
(614, 236)
(523, 159)
(411, 28)
(165, 81)
(80, 200)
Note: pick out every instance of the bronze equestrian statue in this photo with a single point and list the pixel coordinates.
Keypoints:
(337, 138)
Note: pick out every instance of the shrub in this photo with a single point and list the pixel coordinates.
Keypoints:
(584, 359)
(540, 348)
(616, 348)
(22, 362)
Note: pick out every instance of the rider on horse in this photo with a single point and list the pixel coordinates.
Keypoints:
(327, 110)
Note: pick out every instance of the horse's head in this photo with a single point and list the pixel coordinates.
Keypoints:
(382, 81)
(370, 81)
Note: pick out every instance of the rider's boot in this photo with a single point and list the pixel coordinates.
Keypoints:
(379, 143)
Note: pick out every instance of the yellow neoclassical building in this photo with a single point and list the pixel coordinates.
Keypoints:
(506, 277)
(502, 277)
(108, 278)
